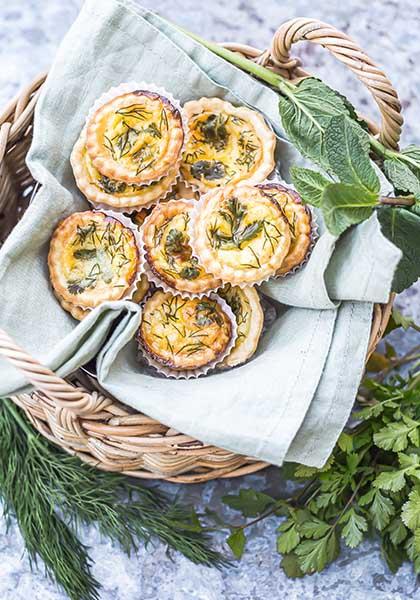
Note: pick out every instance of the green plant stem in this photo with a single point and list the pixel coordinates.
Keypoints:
(12, 409)
(288, 89)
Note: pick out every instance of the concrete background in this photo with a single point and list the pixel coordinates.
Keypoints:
(30, 31)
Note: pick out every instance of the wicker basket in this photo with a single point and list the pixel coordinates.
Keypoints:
(76, 414)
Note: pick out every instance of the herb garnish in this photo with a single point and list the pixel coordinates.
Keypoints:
(214, 132)
(206, 313)
(233, 214)
(208, 169)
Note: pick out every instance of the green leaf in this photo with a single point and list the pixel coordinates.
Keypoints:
(347, 147)
(236, 542)
(314, 528)
(394, 436)
(412, 553)
(344, 205)
(309, 184)
(402, 177)
(394, 555)
(288, 540)
(315, 555)
(345, 442)
(290, 565)
(410, 513)
(392, 481)
(402, 227)
(354, 528)
(397, 531)
(306, 114)
(402, 321)
(381, 510)
(249, 502)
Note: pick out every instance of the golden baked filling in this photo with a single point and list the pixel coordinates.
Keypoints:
(100, 189)
(246, 306)
(184, 333)
(93, 258)
(226, 145)
(136, 137)
(299, 219)
(168, 252)
(240, 234)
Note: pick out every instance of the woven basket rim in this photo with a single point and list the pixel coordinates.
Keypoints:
(75, 413)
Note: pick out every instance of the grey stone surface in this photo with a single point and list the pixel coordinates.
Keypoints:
(30, 31)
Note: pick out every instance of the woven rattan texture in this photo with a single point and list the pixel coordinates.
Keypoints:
(76, 414)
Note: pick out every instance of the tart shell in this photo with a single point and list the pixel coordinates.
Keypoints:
(158, 218)
(101, 156)
(299, 218)
(207, 208)
(253, 121)
(193, 365)
(90, 297)
(147, 195)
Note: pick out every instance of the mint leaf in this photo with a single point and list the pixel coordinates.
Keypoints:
(402, 177)
(249, 502)
(309, 184)
(236, 542)
(306, 114)
(347, 147)
(410, 513)
(402, 227)
(344, 205)
(354, 528)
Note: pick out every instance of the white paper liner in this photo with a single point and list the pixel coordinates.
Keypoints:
(151, 276)
(132, 86)
(199, 372)
(314, 227)
(126, 222)
(195, 214)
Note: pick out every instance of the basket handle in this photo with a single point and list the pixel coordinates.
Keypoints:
(348, 52)
(344, 49)
(43, 379)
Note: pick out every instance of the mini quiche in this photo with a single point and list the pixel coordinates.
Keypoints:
(79, 313)
(136, 137)
(102, 190)
(239, 234)
(168, 252)
(226, 145)
(299, 219)
(93, 257)
(246, 306)
(184, 334)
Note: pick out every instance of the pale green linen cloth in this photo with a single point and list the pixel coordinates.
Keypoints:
(293, 398)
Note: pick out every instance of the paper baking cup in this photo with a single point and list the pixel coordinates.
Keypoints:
(194, 373)
(132, 86)
(151, 275)
(140, 267)
(127, 204)
(195, 215)
(314, 227)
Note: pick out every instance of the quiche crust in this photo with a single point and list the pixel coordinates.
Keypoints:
(299, 218)
(226, 145)
(184, 333)
(240, 234)
(168, 252)
(246, 306)
(93, 258)
(101, 190)
(136, 137)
